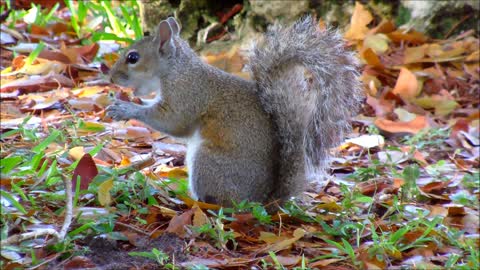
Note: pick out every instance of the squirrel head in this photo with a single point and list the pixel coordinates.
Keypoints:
(145, 63)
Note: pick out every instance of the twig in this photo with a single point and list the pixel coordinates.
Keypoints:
(24, 236)
(47, 261)
(68, 207)
(456, 25)
(132, 228)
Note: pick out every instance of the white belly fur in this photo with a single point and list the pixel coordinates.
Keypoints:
(193, 144)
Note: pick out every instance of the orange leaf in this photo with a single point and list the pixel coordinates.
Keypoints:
(361, 17)
(413, 127)
(371, 58)
(125, 161)
(191, 202)
(413, 37)
(407, 85)
(384, 27)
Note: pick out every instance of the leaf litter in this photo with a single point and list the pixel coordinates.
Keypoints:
(405, 191)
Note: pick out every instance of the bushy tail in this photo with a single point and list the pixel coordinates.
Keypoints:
(309, 83)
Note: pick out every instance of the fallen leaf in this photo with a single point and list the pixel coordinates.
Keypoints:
(358, 23)
(41, 83)
(407, 85)
(412, 127)
(199, 217)
(371, 58)
(323, 263)
(394, 157)
(377, 42)
(287, 243)
(442, 104)
(177, 223)
(191, 202)
(412, 36)
(86, 170)
(287, 261)
(79, 262)
(414, 54)
(76, 152)
(404, 115)
(104, 196)
(367, 141)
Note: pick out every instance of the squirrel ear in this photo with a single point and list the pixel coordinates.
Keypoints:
(164, 36)
(174, 25)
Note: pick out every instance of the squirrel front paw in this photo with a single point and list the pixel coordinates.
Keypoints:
(120, 110)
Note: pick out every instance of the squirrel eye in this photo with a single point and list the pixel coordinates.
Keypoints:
(132, 57)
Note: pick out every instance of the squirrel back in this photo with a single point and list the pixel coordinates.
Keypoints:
(308, 82)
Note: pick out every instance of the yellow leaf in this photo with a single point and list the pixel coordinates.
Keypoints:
(89, 91)
(6, 70)
(434, 50)
(125, 161)
(473, 57)
(104, 196)
(190, 202)
(445, 107)
(199, 217)
(77, 152)
(441, 104)
(91, 127)
(361, 17)
(378, 43)
(174, 173)
(414, 54)
(43, 68)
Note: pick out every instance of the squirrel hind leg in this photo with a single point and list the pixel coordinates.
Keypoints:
(223, 180)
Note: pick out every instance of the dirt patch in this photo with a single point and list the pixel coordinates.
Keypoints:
(109, 254)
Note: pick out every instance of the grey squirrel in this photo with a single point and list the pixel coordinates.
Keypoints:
(259, 140)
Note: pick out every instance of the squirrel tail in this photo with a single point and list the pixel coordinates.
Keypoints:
(308, 82)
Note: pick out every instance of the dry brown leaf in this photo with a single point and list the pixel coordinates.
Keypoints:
(177, 223)
(287, 243)
(199, 217)
(54, 56)
(323, 263)
(381, 106)
(42, 83)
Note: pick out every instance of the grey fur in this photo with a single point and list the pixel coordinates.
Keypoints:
(247, 140)
(313, 116)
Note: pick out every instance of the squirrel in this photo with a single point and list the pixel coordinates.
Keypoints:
(258, 140)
